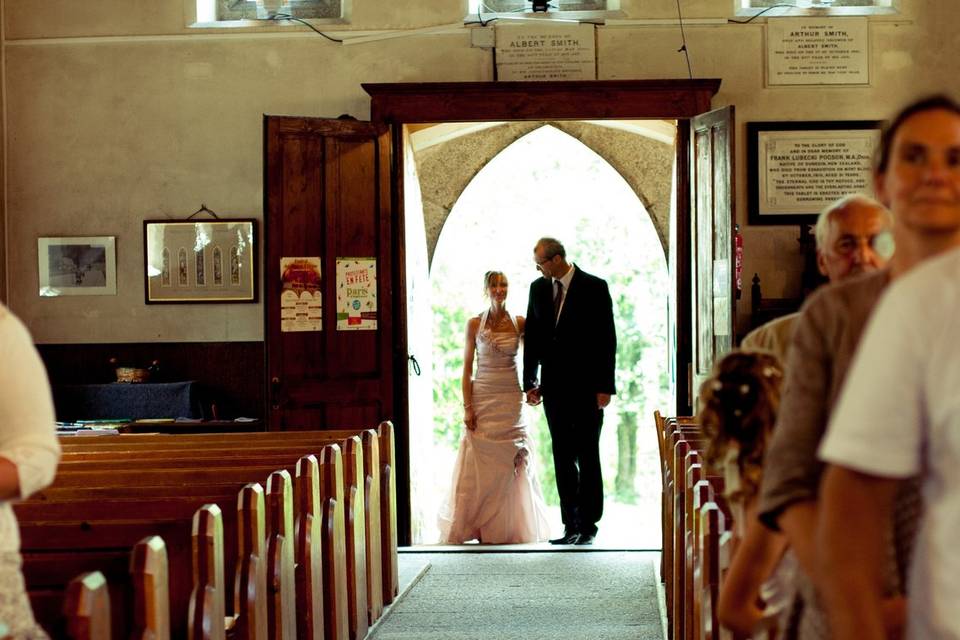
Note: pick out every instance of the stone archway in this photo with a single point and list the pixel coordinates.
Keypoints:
(642, 155)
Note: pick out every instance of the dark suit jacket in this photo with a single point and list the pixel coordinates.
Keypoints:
(579, 353)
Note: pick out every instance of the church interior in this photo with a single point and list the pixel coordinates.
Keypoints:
(338, 144)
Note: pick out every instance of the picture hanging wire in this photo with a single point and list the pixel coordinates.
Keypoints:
(203, 209)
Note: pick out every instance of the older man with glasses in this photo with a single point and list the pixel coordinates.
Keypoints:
(571, 340)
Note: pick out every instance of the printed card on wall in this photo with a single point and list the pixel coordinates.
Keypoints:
(356, 294)
(301, 296)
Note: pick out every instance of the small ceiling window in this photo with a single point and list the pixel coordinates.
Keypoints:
(247, 9)
(817, 4)
(519, 6)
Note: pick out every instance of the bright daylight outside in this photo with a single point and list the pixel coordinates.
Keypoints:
(549, 184)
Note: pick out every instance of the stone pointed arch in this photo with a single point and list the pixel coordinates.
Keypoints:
(445, 169)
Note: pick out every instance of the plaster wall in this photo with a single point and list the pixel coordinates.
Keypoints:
(118, 111)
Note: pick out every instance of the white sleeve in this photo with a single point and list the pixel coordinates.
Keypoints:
(27, 424)
(877, 424)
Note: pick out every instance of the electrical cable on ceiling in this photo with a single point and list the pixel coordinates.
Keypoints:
(287, 16)
(757, 15)
(480, 17)
(683, 46)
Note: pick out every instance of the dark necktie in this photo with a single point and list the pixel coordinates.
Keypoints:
(557, 299)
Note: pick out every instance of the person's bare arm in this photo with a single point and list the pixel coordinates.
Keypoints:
(755, 559)
(9, 480)
(855, 510)
(466, 380)
(799, 523)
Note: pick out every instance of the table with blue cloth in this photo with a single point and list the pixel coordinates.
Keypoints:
(136, 401)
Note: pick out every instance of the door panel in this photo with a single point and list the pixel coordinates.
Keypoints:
(712, 240)
(327, 194)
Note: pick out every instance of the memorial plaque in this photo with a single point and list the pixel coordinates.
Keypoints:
(547, 52)
(796, 169)
(818, 51)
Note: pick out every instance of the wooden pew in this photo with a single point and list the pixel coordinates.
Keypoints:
(112, 538)
(697, 540)
(87, 607)
(363, 583)
(691, 526)
(98, 451)
(206, 617)
(386, 483)
(281, 558)
(714, 525)
(379, 467)
(151, 590)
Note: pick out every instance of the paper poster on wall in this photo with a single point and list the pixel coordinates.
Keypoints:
(301, 296)
(356, 294)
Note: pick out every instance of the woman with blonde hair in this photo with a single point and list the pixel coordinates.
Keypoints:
(495, 497)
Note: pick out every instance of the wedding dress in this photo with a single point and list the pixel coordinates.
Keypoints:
(495, 497)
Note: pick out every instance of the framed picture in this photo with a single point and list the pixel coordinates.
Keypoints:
(191, 261)
(795, 169)
(77, 266)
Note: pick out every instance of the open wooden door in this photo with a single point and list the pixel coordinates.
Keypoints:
(711, 232)
(327, 186)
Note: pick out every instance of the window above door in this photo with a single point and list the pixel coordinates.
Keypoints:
(817, 7)
(573, 9)
(209, 11)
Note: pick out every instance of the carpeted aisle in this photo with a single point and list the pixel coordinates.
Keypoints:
(538, 596)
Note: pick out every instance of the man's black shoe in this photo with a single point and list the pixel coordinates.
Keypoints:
(568, 538)
(585, 538)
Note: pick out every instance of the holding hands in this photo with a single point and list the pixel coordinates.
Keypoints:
(533, 396)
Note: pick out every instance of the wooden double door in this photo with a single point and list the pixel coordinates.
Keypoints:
(333, 190)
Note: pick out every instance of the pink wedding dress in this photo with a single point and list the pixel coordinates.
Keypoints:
(496, 496)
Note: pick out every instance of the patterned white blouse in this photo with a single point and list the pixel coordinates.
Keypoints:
(27, 425)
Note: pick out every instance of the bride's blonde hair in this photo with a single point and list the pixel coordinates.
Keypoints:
(488, 278)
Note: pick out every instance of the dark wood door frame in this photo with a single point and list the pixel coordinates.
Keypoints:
(409, 103)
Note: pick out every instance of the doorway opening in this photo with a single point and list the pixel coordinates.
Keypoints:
(477, 197)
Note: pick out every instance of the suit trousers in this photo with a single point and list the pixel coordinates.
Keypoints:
(575, 420)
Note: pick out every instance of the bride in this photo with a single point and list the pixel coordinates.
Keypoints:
(495, 497)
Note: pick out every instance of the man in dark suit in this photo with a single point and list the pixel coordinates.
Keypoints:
(571, 338)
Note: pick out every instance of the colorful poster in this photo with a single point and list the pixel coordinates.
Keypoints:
(356, 294)
(301, 297)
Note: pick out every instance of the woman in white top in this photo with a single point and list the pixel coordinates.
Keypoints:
(29, 453)
(739, 408)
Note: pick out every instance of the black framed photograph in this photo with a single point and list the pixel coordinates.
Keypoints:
(77, 266)
(192, 261)
(795, 169)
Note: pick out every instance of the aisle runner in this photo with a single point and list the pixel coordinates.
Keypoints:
(534, 596)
